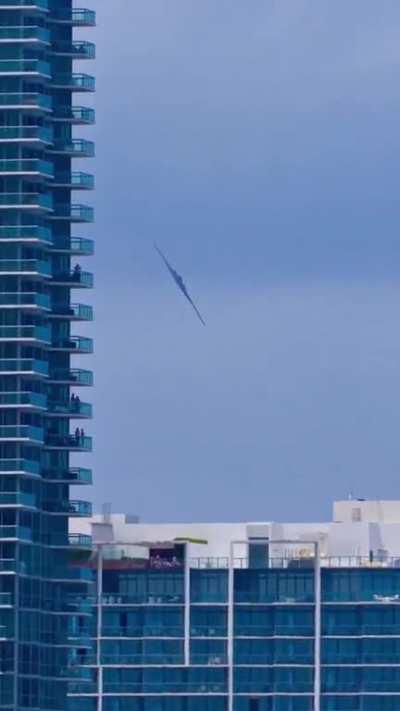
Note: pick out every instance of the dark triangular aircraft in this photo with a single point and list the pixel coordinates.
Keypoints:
(180, 283)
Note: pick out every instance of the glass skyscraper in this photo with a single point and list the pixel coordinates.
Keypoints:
(42, 598)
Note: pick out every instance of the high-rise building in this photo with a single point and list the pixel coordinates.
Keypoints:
(42, 609)
(246, 617)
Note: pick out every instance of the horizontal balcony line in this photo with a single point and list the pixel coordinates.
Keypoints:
(75, 376)
(19, 466)
(26, 167)
(77, 49)
(76, 148)
(76, 246)
(25, 233)
(33, 67)
(69, 442)
(26, 202)
(70, 508)
(76, 115)
(75, 475)
(74, 409)
(72, 312)
(73, 82)
(31, 267)
(26, 134)
(23, 400)
(25, 100)
(73, 540)
(18, 498)
(72, 213)
(25, 301)
(41, 334)
(24, 366)
(26, 433)
(40, 6)
(76, 278)
(25, 33)
(73, 344)
(77, 180)
(77, 17)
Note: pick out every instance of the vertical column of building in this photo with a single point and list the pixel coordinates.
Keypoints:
(40, 594)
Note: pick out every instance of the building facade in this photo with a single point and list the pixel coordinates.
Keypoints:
(246, 617)
(41, 411)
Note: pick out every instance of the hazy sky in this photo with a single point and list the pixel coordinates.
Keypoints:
(258, 143)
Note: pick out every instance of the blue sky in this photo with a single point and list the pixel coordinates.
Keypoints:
(258, 144)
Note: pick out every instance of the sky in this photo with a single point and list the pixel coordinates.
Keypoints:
(258, 144)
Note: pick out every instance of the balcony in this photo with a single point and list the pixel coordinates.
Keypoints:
(68, 508)
(25, 267)
(25, 5)
(73, 344)
(73, 213)
(75, 246)
(74, 279)
(29, 135)
(76, 115)
(25, 34)
(74, 409)
(76, 476)
(73, 82)
(18, 499)
(77, 17)
(22, 433)
(75, 181)
(24, 366)
(32, 168)
(77, 49)
(23, 401)
(36, 335)
(34, 234)
(32, 202)
(26, 301)
(36, 102)
(75, 376)
(71, 540)
(20, 466)
(30, 68)
(76, 148)
(72, 312)
(70, 443)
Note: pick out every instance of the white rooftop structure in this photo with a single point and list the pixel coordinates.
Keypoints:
(359, 528)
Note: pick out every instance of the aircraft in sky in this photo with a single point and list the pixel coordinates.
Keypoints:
(180, 283)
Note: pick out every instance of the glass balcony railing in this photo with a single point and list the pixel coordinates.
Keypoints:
(78, 278)
(80, 508)
(14, 366)
(77, 246)
(25, 66)
(73, 312)
(76, 180)
(19, 466)
(25, 233)
(78, 17)
(79, 540)
(42, 5)
(76, 443)
(26, 133)
(21, 532)
(71, 508)
(18, 498)
(75, 376)
(76, 476)
(77, 148)
(79, 115)
(25, 333)
(26, 201)
(72, 574)
(25, 299)
(25, 266)
(73, 213)
(22, 432)
(24, 399)
(42, 167)
(27, 33)
(78, 49)
(73, 81)
(36, 101)
(75, 408)
(73, 344)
